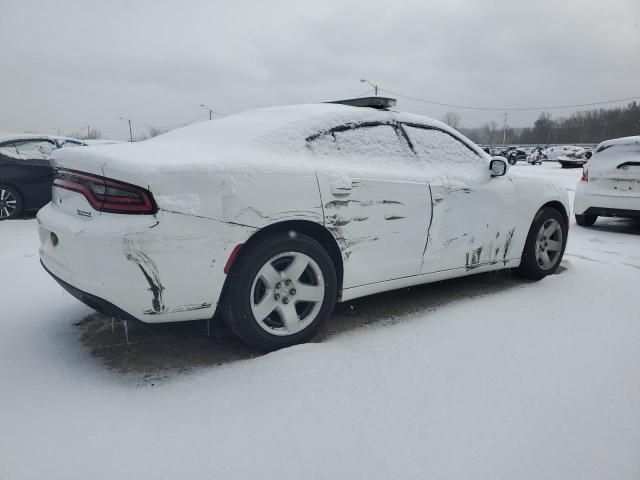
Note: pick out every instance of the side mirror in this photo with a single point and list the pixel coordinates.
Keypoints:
(498, 167)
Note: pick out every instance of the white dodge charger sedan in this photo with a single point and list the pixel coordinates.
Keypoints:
(610, 183)
(273, 215)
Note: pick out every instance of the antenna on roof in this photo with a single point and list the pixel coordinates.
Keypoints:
(381, 103)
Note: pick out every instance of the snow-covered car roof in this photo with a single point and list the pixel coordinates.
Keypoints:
(8, 137)
(101, 142)
(266, 140)
(635, 139)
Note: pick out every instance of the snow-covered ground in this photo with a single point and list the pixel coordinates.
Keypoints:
(485, 377)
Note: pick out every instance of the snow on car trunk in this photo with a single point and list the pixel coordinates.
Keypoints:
(616, 167)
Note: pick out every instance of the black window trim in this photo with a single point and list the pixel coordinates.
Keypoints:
(397, 126)
(429, 127)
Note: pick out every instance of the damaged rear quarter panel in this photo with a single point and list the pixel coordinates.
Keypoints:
(258, 200)
(176, 269)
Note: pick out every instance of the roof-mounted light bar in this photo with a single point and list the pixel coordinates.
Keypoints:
(382, 103)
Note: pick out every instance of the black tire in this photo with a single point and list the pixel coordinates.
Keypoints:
(529, 266)
(11, 203)
(236, 302)
(586, 220)
(512, 161)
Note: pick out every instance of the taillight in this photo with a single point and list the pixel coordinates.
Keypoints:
(585, 175)
(106, 195)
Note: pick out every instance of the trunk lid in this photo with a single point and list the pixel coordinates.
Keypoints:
(616, 168)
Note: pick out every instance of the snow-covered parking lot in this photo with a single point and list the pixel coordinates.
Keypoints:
(487, 377)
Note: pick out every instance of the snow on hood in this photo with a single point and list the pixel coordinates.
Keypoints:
(267, 140)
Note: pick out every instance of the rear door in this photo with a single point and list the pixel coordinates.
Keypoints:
(380, 224)
(473, 214)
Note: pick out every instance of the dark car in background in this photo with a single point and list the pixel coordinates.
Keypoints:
(25, 171)
(514, 154)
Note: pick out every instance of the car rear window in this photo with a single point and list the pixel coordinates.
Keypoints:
(620, 150)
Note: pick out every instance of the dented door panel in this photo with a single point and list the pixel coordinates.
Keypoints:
(380, 226)
(472, 226)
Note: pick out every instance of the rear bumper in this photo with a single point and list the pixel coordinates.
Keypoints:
(98, 304)
(612, 212)
(572, 163)
(161, 268)
(590, 199)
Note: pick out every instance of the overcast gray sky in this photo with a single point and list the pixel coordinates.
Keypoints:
(68, 64)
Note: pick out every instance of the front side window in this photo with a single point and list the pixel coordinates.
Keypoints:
(436, 146)
(446, 158)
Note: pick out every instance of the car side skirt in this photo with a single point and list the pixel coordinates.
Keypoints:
(372, 288)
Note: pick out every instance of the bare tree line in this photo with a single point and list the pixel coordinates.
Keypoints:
(591, 126)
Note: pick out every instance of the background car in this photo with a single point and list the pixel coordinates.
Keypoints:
(535, 157)
(25, 171)
(552, 153)
(574, 159)
(513, 154)
(273, 215)
(610, 183)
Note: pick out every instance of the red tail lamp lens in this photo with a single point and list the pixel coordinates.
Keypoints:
(106, 195)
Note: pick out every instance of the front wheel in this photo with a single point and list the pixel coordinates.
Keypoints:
(545, 244)
(586, 220)
(280, 291)
(512, 161)
(10, 203)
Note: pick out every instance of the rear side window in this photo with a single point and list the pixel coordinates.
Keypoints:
(35, 148)
(378, 144)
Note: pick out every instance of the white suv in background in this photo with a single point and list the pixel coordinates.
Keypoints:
(610, 183)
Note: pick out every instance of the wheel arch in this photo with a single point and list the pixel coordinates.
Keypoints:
(312, 229)
(13, 185)
(558, 206)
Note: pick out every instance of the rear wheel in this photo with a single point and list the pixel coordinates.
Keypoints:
(11, 204)
(545, 244)
(280, 292)
(586, 220)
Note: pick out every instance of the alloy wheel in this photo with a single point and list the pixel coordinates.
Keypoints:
(8, 203)
(287, 293)
(549, 244)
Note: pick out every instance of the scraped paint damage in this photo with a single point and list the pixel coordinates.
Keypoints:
(335, 221)
(183, 308)
(149, 270)
(474, 258)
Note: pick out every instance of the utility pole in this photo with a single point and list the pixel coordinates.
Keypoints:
(87, 132)
(504, 130)
(130, 129)
(210, 111)
(375, 87)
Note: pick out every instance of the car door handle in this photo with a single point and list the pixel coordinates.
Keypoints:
(341, 186)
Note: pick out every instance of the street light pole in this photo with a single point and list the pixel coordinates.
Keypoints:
(504, 129)
(375, 87)
(130, 129)
(210, 111)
